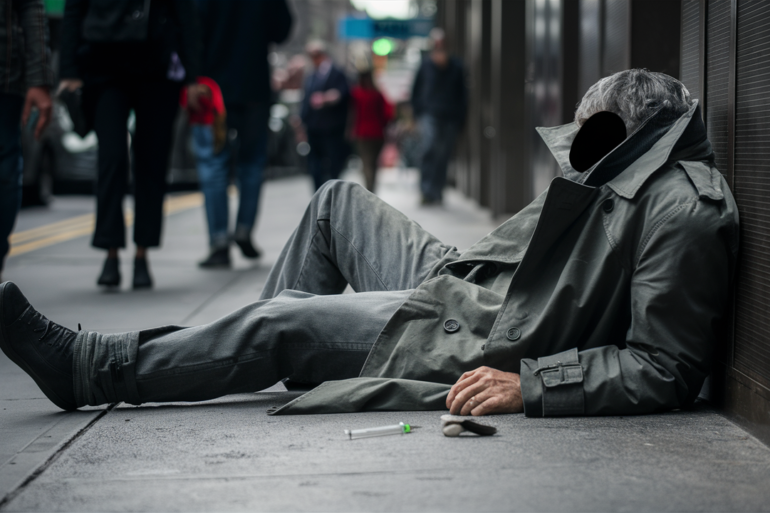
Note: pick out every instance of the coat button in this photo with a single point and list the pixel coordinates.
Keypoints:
(451, 325)
(513, 334)
(608, 206)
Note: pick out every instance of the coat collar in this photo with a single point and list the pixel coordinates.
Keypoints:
(626, 168)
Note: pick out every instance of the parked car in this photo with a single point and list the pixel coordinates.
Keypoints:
(60, 161)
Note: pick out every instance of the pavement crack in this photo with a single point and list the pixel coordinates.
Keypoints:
(55, 456)
(210, 299)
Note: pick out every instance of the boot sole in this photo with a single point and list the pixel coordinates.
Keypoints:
(50, 394)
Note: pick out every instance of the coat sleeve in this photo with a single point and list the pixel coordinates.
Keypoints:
(37, 57)
(74, 13)
(280, 21)
(679, 294)
(189, 40)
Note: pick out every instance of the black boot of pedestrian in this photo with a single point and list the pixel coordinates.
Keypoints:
(142, 278)
(42, 348)
(218, 258)
(110, 276)
(247, 248)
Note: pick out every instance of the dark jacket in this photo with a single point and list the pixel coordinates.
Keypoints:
(236, 37)
(128, 39)
(25, 60)
(440, 92)
(605, 293)
(331, 117)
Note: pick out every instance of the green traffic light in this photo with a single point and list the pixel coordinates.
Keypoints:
(382, 46)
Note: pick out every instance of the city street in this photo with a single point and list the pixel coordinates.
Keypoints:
(229, 455)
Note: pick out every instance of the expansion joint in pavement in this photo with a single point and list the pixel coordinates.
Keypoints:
(47, 463)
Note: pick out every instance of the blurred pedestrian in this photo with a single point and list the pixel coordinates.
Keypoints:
(372, 113)
(236, 37)
(26, 76)
(325, 115)
(130, 55)
(439, 101)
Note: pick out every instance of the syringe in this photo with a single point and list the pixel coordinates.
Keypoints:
(396, 429)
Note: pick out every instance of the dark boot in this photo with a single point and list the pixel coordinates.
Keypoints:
(42, 348)
(218, 258)
(247, 248)
(110, 276)
(142, 278)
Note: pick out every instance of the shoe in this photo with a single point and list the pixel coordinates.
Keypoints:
(142, 278)
(42, 348)
(247, 248)
(219, 257)
(110, 276)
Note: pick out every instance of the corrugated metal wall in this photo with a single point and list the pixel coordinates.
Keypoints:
(616, 48)
(751, 185)
(735, 50)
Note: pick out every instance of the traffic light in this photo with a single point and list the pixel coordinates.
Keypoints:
(382, 46)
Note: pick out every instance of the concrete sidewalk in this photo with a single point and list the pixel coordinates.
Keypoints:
(228, 455)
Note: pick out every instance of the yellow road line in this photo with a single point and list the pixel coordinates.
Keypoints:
(68, 229)
(48, 229)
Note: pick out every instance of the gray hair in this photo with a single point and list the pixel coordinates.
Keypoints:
(635, 95)
(316, 46)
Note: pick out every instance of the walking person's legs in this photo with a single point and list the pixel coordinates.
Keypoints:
(111, 107)
(428, 160)
(350, 236)
(156, 105)
(214, 177)
(251, 123)
(369, 151)
(337, 151)
(10, 168)
(443, 146)
(317, 158)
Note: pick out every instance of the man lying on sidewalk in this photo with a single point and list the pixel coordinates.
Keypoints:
(600, 297)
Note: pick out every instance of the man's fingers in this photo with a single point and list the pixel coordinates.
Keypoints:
(479, 397)
(26, 111)
(42, 122)
(465, 380)
(490, 405)
(464, 397)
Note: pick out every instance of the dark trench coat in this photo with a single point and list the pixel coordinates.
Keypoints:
(605, 293)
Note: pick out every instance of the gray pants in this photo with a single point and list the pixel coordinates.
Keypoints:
(302, 327)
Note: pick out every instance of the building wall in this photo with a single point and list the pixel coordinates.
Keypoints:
(732, 42)
(539, 57)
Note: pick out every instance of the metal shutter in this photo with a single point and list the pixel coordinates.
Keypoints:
(617, 54)
(717, 77)
(752, 189)
(691, 40)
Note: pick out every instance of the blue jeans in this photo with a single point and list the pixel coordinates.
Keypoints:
(249, 150)
(10, 167)
(438, 140)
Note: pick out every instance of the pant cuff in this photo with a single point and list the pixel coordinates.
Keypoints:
(104, 368)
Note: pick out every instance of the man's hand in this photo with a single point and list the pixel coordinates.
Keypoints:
(70, 84)
(37, 97)
(319, 99)
(194, 93)
(484, 391)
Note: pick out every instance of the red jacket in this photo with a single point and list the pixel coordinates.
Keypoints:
(372, 113)
(208, 106)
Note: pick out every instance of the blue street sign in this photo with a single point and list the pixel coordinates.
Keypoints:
(367, 28)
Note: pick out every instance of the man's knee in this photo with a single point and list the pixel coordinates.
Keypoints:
(336, 195)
